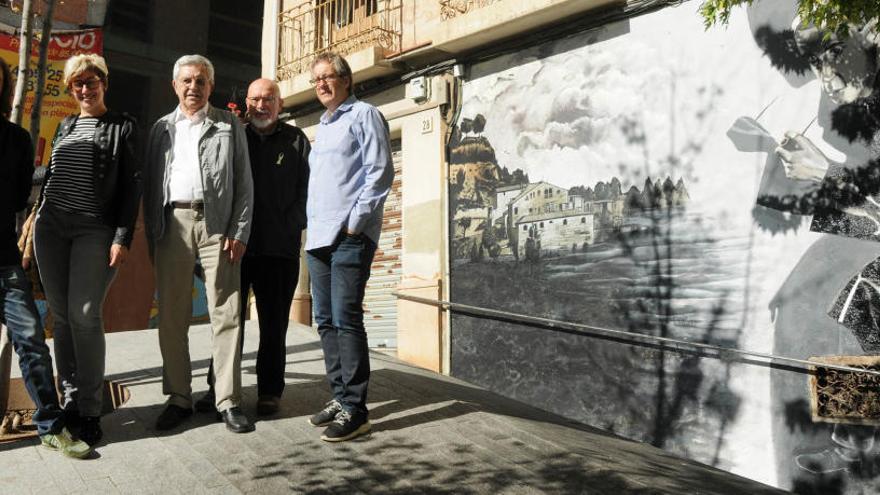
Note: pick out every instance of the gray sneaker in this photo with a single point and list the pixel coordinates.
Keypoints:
(326, 415)
(64, 442)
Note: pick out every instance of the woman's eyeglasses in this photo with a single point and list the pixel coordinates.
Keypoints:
(79, 84)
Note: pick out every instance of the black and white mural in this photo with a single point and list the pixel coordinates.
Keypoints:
(719, 187)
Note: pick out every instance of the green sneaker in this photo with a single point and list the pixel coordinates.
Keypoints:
(66, 444)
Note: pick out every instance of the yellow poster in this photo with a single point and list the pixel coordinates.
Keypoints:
(57, 101)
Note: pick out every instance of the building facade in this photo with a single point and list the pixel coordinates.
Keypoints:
(400, 53)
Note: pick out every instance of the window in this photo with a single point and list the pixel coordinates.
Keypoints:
(565, 222)
(134, 84)
(130, 18)
(542, 225)
(235, 33)
(346, 11)
(583, 219)
(516, 210)
(525, 228)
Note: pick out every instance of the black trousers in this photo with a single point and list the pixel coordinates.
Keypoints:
(273, 280)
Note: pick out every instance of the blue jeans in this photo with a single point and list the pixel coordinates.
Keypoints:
(339, 276)
(19, 313)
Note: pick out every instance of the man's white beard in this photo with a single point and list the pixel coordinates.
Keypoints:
(261, 123)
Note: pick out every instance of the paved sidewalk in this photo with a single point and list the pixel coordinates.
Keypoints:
(431, 434)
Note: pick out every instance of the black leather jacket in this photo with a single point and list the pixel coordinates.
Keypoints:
(116, 173)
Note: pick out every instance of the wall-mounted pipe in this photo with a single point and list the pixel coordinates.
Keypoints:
(638, 338)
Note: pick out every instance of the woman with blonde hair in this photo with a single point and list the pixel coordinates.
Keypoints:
(82, 232)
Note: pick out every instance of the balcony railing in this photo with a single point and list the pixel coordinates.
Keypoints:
(341, 26)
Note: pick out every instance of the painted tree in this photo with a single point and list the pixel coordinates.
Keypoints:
(479, 123)
(466, 126)
(831, 15)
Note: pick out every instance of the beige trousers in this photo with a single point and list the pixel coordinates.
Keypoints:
(186, 238)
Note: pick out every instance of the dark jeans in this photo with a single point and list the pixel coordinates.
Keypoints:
(273, 280)
(339, 276)
(73, 253)
(19, 313)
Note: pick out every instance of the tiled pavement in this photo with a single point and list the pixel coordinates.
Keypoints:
(431, 434)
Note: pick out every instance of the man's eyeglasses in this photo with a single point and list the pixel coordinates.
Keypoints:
(79, 84)
(265, 99)
(327, 79)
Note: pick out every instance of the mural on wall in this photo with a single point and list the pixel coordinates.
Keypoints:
(718, 187)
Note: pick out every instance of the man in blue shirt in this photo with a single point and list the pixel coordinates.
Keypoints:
(351, 174)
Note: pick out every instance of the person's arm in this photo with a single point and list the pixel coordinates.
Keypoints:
(128, 186)
(24, 181)
(239, 229)
(375, 148)
(24, 187)
(302, 185)
(24, 173)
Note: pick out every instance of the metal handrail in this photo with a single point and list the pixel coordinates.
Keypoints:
(341, 26)
(595, 331)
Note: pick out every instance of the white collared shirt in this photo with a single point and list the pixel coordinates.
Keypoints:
(184, 174)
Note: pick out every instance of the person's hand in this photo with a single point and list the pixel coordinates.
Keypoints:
(118, 253)
(234, 249)
(801, 159)
(25, 263)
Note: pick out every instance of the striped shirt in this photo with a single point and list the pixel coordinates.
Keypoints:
(71, 186)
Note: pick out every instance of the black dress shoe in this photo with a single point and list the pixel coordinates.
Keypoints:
(267, 404)
(205, 404)
(236, 421)
(172, 416)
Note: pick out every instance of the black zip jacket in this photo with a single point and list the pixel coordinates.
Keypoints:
(16, 170)
(280, 168)
(116, 172)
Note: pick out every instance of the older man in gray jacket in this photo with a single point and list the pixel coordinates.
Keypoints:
(198, 197)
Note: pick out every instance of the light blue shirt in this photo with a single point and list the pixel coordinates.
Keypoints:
(351, 174)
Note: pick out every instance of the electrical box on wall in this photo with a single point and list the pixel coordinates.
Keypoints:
(418, 89)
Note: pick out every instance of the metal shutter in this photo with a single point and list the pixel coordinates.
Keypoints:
(380, 306)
